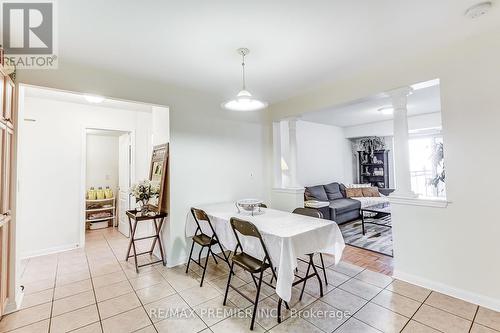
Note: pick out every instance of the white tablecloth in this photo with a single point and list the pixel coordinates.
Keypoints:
(286, 236)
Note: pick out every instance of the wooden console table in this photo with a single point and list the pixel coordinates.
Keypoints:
(136, 217)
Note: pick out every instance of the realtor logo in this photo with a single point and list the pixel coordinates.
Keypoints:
(28, 33)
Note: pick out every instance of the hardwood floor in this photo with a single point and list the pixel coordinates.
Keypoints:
(368, 259)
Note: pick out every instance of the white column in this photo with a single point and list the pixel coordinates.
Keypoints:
(289, 195)
(401, 148)
(292, 154)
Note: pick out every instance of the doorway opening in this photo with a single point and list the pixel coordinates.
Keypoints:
(68, 144)
(346, 157)
(108, 165)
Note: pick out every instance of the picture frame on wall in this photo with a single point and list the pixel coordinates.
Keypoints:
(158, 172)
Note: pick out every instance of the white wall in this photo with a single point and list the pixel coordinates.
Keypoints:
(161, 125)
(320, 154)
(102, 161)
(51, 151)
(386, 128)
(453, 249)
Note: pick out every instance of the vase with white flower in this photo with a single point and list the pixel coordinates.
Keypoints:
(143, 192)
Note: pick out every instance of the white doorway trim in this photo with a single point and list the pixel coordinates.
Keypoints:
(83, 178)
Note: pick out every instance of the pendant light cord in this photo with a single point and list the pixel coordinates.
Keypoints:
(243, 70)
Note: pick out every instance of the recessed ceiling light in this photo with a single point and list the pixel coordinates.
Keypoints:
(478, 9)
(94, 99)
(387, 110)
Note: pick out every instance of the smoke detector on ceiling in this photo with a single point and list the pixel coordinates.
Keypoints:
(478, 10)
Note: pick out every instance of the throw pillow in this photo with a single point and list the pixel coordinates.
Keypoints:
(353, 192)
(371, 192)
(342, 188)
(316, 193)
(333, 191)
(359, 185)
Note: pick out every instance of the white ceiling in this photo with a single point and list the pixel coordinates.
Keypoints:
(295, 44)
(66, 96)
(426, 100)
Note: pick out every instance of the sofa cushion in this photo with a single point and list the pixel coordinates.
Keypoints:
(370, 201)
(333, 191)
(370, 192)
(353, 192)
(316, 193)
(341, 206)
(342, 189)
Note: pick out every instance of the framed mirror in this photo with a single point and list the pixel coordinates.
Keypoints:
(159, 173)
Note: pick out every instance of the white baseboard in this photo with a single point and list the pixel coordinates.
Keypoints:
(180, 261)
(484, 301)
(49, 250)
(183, 260)
(14, 304)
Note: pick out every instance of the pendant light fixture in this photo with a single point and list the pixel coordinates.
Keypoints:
(244, 100)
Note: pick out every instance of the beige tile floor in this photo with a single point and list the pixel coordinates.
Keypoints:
(95, 290)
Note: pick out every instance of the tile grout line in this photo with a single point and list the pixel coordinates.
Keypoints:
(412, 317)
(352, 316)
(53, 296)
(221, 294)
(474, 318)
(370, 301)
(178, 293)
(93, 291)
(451, 313)
(133, 289)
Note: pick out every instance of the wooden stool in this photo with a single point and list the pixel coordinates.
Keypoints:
(137, 216)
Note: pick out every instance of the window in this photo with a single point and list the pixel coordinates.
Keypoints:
(427, 166)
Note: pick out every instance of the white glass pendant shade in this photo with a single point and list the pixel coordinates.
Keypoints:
(244, 101)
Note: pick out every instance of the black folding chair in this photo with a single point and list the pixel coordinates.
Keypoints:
(205, 241)
(250, 264)
(312, 213)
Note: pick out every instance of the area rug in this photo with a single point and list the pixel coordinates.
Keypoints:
(377, 238)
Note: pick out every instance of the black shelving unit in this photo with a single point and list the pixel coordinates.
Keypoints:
(374, 170)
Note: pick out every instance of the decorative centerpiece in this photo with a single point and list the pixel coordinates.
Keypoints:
(249, 205)
(143, 192)
(369, 145)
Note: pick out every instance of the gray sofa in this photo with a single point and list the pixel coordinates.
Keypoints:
(340, 209)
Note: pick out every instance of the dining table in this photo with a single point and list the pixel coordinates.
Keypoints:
(286, 236)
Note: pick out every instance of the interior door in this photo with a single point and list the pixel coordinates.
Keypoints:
(124, 161)
(6, 160)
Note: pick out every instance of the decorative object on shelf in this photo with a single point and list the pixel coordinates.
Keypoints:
(438, 162)
(369, 145)
(159, 174)
(376, 172)
(249, 205)
(143, 192)
(244, 100)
